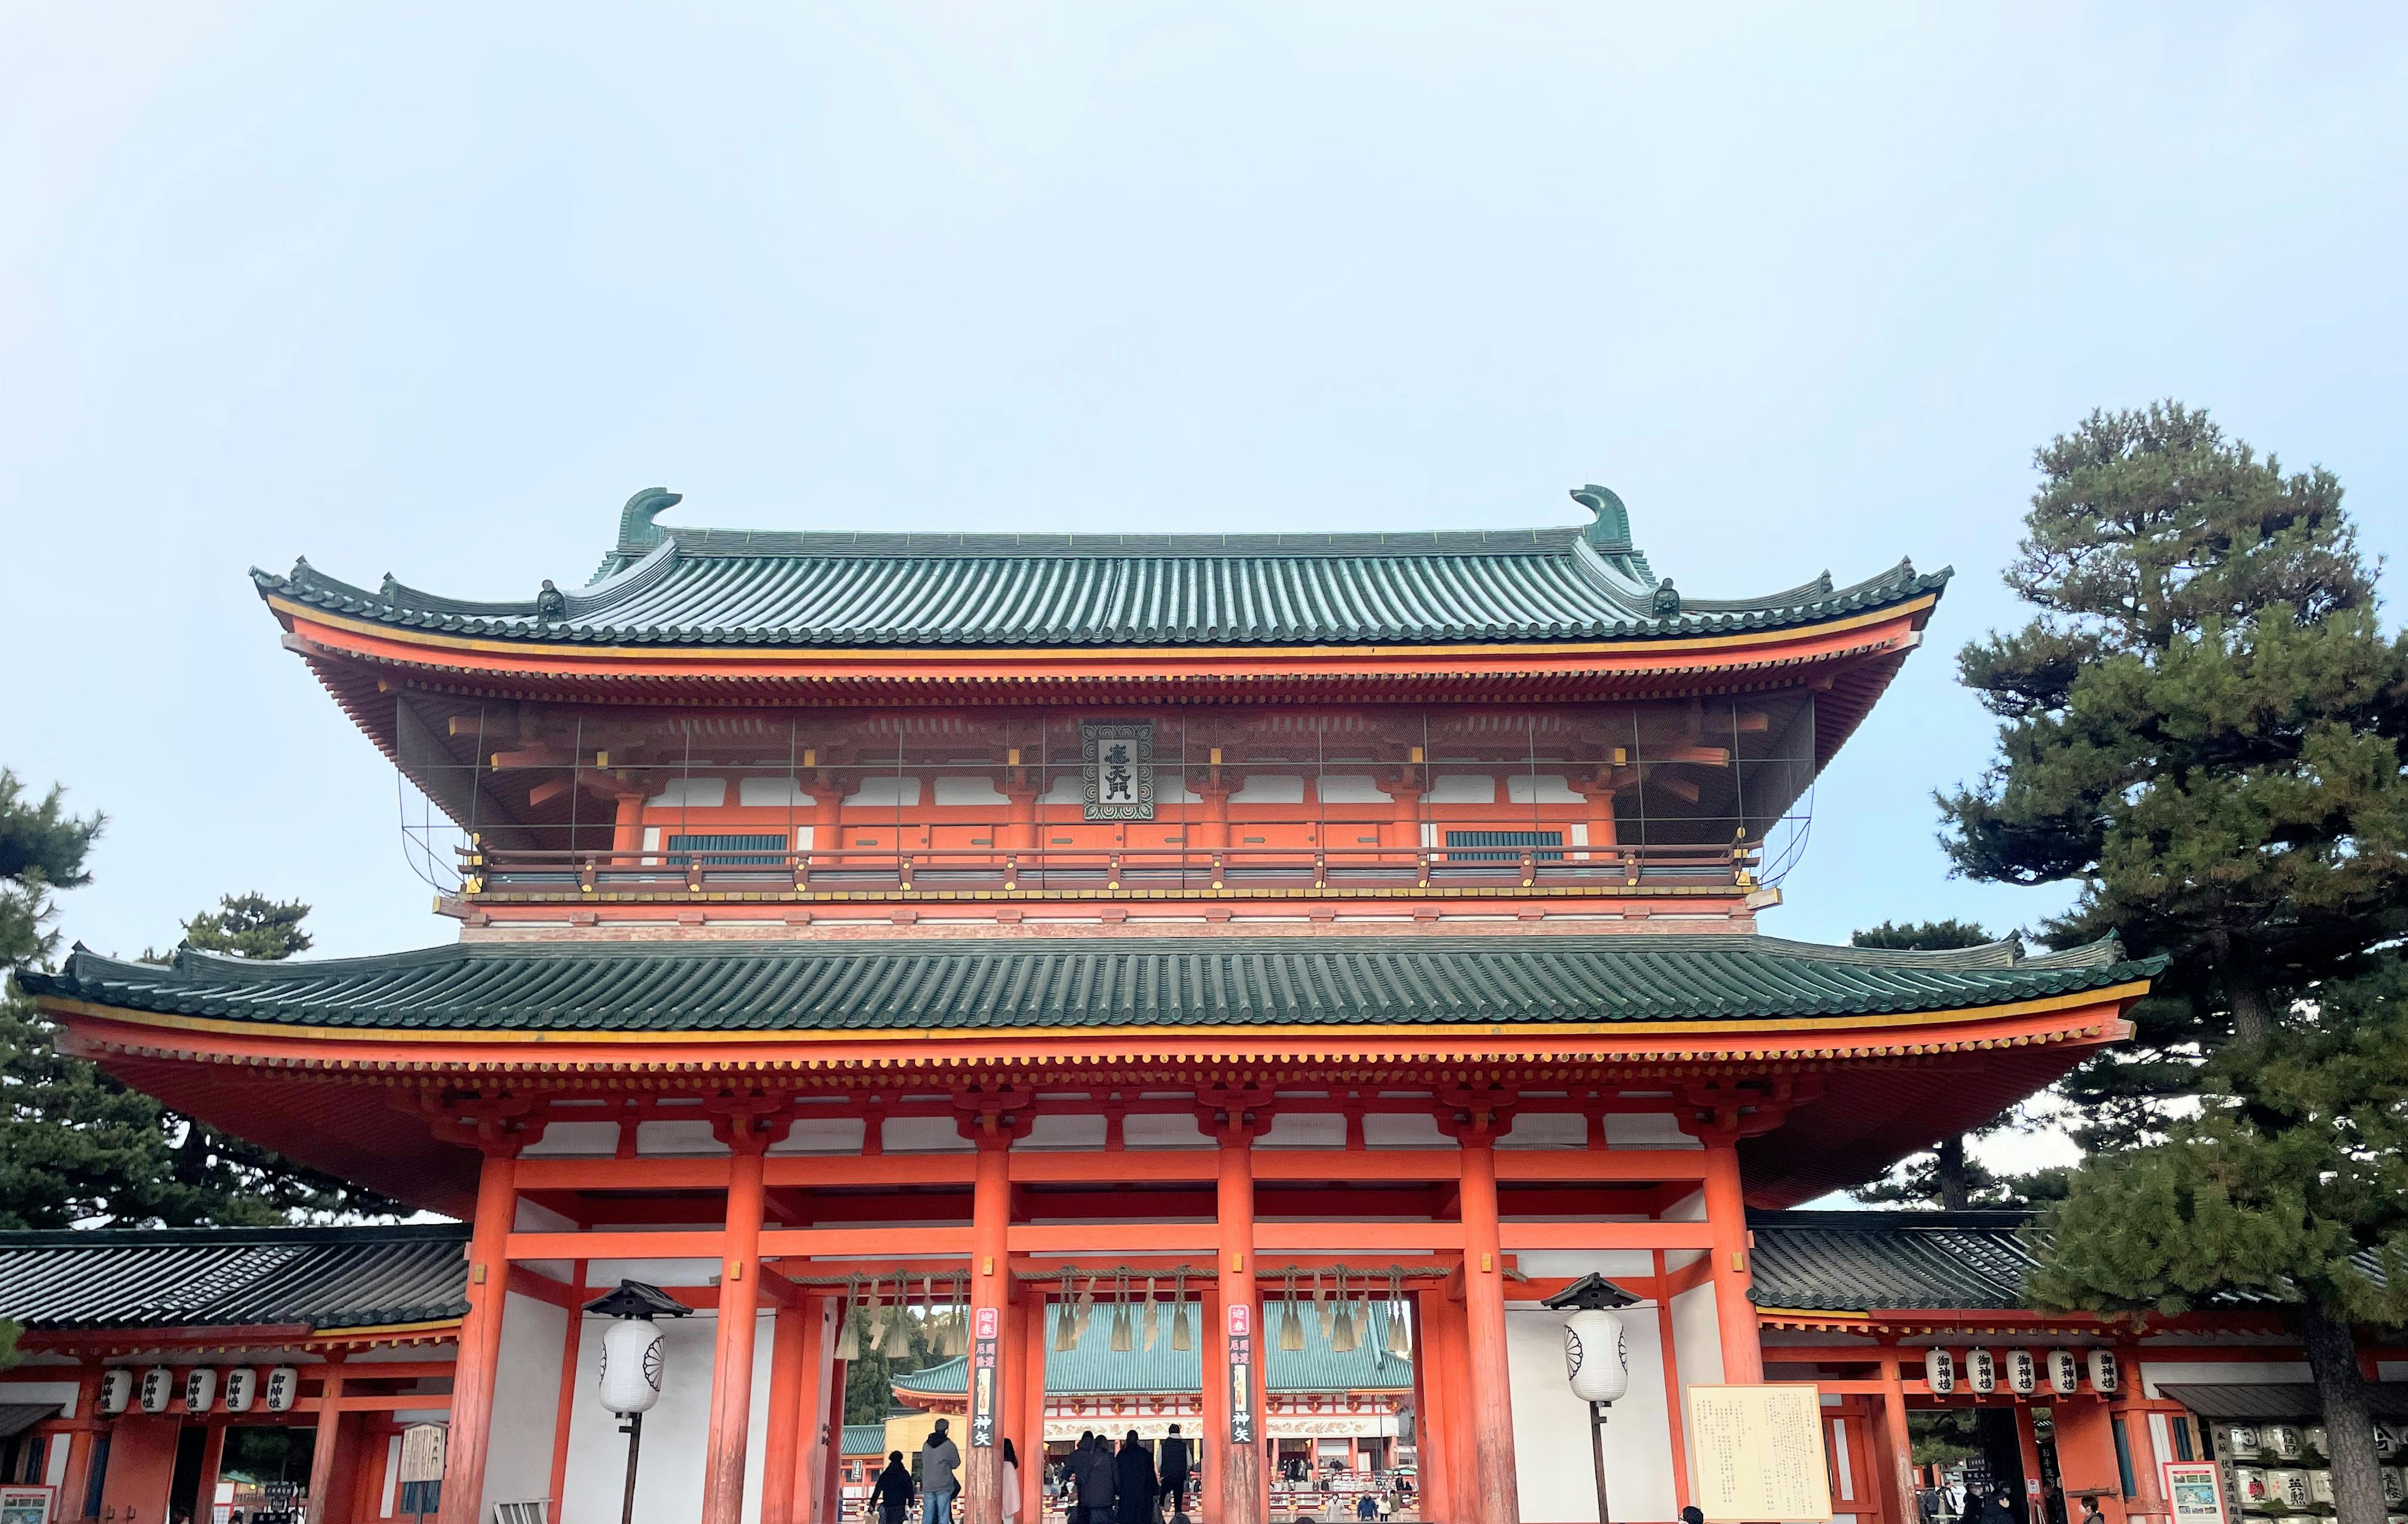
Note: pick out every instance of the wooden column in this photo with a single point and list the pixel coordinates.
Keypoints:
(1445, 1451)
(626, 831)
(786, 1418)
(76, 1486)
(1029, 1429)
(1245, 1483)
(990, 1288)
(481, 1340)
(813, 1318)
(332, 1468)
(1495, 1494)
(1897, 1472)
(831, 1451)
(572, 1332)
(213, 1462)
(1726, 1215)
(739, 1303)
(1675, 1410)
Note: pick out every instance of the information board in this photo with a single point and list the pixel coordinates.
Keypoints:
(2194, 1492)
(1756, 1454)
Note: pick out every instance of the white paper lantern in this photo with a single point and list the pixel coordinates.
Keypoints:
(1940, 1370)
(1982, 1371)
(116, 1390)
(1596, 1359)
(2023, 1372)
(200, 1389)
(631, 1365)
(2105, 1375)
(2064, 1372)
(158, 1388)
(282, 1388)
(241, 1388)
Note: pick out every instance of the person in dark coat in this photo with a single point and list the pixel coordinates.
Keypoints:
(1095, 1473)
(1176, 1465)
(1138, 1485)
(890, 1494)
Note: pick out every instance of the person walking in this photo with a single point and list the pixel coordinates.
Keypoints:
(1098, 1481)
(1175, 1463)
(940, 1476)
(1135, 1481)
(890, 1496)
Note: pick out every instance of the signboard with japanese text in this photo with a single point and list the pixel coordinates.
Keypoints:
(983, 1341)
(1117, 771)
(1756, 1453)
(1241, 1374)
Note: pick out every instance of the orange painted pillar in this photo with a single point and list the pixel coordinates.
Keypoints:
(480, 1342)
(1438, 1364)
(2035, 1502)
(785, 1417)
(571, 1343)
(1898, 1445)
(1211, 1425)
(1726, 1218)
(1495, 1492)
(1676, 1411)
(213, 1462)
(739, 1305)
(327, 1505)
(76, 1486)
(1238, 1428)
(812, 1409)
(1029, 1429)
(627, 830)
(990, 1289)
(831, 1451)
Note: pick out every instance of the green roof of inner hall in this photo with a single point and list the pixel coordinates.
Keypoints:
(324, 1278)
(973, 985)
(1092, 1369)
(670, 586)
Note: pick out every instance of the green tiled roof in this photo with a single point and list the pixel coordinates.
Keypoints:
(864, 1439)
(1910, 1261)
(971, 985)
(234, 1277)
(1093, 1370)
(673, 586)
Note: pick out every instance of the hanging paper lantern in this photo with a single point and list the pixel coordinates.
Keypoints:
(241, 1388)
(116, 1390)
(200, 1389)
(1940, 1370)
(631, 1365)
(283, 1387)
(2064, 1372)
(2023, 1372)
(158, 1388)
(1596, 1359)
(1982, 1371)
(2104, 1374)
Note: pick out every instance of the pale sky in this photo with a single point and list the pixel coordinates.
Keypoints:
(431, 289)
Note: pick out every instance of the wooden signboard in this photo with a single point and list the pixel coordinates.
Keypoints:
(1756, 1454)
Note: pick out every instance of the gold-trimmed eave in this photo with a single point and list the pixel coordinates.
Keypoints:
(2087, 1017)
(1644, 656)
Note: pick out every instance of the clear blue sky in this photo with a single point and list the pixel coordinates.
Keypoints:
(431, 289)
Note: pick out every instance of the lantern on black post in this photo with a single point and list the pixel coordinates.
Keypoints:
(1595, 1361)
(631, 1363)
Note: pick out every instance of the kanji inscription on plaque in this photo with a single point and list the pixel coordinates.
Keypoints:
(1118, 762)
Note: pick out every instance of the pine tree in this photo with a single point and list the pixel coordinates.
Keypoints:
(2200, 729)
(2298, 1192)
(75, 1146)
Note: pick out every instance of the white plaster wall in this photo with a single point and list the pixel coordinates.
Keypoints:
(677, 1431)
(1696, 1336)
(1551, 1440)
(526, 1401)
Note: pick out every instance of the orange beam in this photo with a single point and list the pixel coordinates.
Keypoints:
(953, 1243)
(1357, 1164)
(1111, 1238)
(1195, 1164)
(688, 1244)
(1383, 1236)
(1568, 1167)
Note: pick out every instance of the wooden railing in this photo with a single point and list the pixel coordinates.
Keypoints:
(502, 875)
